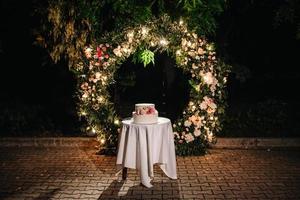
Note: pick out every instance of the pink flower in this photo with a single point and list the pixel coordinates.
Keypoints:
(203, 105)
(99, 53)
(151, 110)
(84, 86)
(189, 138)
(208, 104)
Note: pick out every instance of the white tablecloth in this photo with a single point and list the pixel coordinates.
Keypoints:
(141, 146)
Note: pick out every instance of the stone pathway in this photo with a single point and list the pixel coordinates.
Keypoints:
(78, 173)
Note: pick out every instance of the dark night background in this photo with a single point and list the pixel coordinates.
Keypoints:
(38, 98)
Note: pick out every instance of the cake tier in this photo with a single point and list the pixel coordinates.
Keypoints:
(144, 108)
(145, 119)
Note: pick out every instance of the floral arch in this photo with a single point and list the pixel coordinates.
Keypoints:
(200, 120)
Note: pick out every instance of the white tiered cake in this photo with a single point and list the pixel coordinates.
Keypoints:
(145, 113)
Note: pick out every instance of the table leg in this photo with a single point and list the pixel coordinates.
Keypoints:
(124, 173)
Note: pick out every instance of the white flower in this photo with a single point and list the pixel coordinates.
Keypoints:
(117, 51)
(88, 52)
(85, 95)
(98, 75)
(208, 78)
(200, 51)
(194, 66)
(210, 136)
(197, 132)
(187, 123)
(176, 134)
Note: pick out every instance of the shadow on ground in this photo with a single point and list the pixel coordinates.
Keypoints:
(160, 190)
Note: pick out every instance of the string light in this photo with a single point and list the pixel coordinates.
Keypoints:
(116, 121)
(100, 99)
(180, 22)
(206, 78)
(187, 56)
(145, 31)
(152, 43)
(102, 141)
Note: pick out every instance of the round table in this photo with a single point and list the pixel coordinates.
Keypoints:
(143, 145)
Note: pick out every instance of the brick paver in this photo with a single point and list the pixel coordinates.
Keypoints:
(78, 173)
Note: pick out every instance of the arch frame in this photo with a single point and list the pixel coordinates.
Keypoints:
(202, 117)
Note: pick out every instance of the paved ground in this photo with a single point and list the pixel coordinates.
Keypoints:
(78, 173)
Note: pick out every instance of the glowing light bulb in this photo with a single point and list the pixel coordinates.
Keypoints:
(145, 30)
(180, 22)
(152, 43)
(83, 113)
(93, 130)
(116, 121)
(206, 79)
(102, 141)
(100, 99)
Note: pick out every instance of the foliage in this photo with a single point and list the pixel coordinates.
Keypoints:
(24, 120)
(267, 118)
(202, 117)
(66, 27)
(79, 29)
(144, 56)
(288, 13)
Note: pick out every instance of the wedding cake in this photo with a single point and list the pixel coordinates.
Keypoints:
(145, 113)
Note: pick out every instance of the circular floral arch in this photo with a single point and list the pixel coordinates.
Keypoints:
(200, 120)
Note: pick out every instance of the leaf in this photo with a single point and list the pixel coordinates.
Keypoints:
(192, 83)
(143, 56)
(147, 57)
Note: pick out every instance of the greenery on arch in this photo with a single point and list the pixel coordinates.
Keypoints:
(201, 118)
